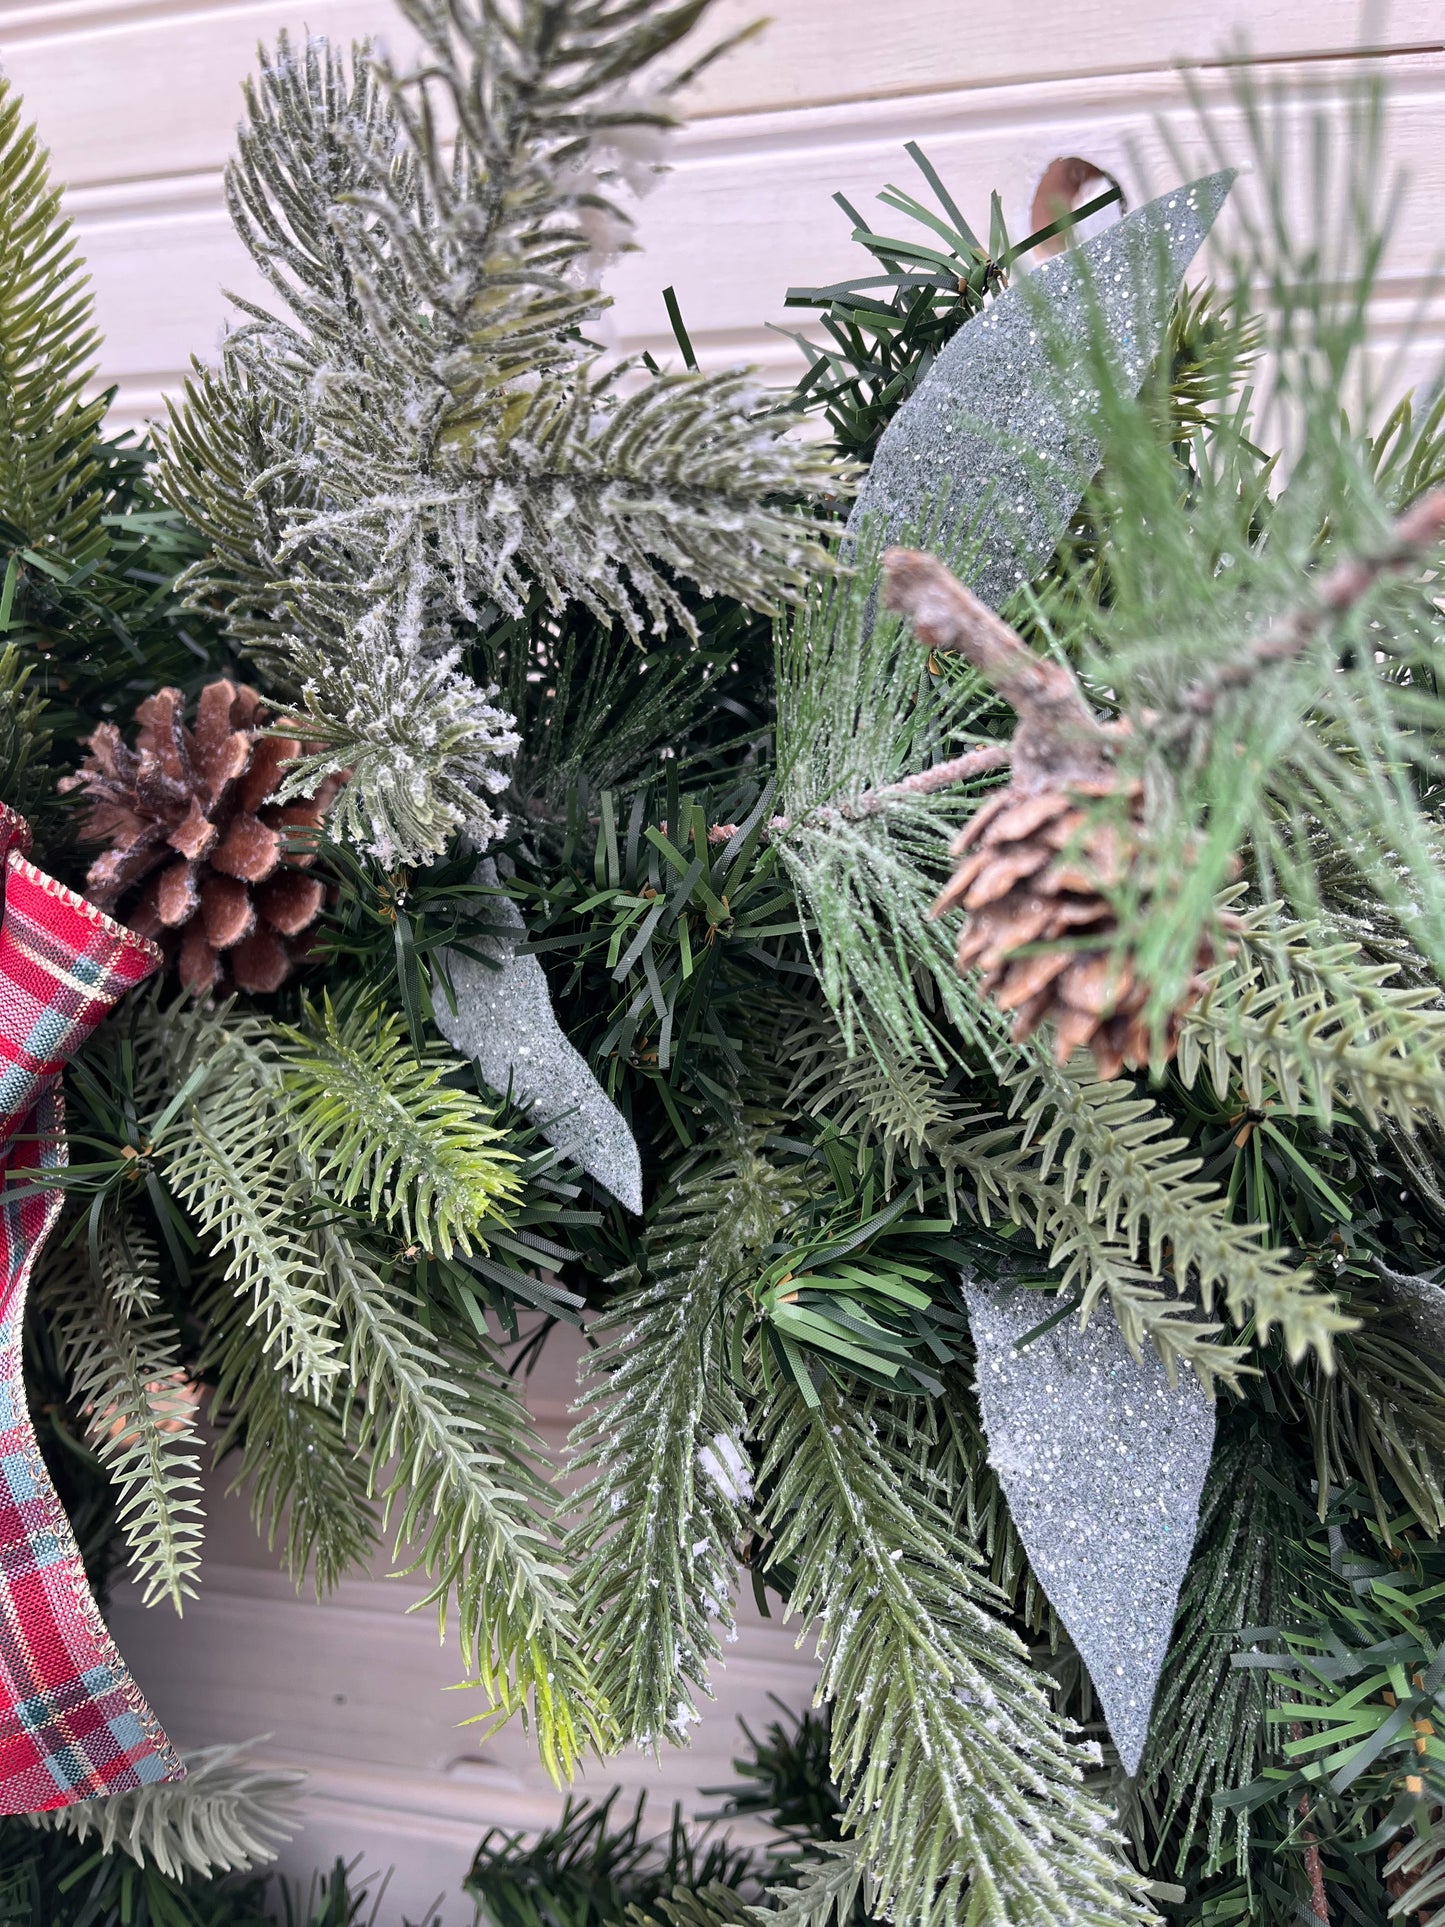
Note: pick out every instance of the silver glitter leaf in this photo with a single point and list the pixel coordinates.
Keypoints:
(993, 441)
(505, 1021)
(1102, 1462)
(1418, 1303)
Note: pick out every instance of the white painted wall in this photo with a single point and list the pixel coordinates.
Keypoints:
(138, 100)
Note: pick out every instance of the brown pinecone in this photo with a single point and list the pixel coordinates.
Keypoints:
(196, 857)
(1041, 859)
(1037, 868)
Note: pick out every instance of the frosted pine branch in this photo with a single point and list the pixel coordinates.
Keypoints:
(428, 439)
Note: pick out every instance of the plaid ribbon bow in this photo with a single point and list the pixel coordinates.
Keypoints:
(72, 1722)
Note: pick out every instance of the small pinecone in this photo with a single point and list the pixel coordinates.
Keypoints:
(1036, 871)
(196, 843)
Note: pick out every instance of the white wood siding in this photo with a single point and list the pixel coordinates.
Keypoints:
(138, 100)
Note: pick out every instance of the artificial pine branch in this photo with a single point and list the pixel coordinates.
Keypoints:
(308, 1485)
(959, 1784)
(122, 1355)
(712, 1906)
(380, 1124)
(438, 1426)
(225, 1816)
(229, 1169)
(1414, 535)
(431, 439)
(25, 741)
(455, 1459)
(1136, 1186)
(663, 1519)
(50, 468)
(828, 1891)
(1378, 1421)
(1305, 1019)
(1208, 1735)
(858, 713)
(595, 1868)
(1090, 1174)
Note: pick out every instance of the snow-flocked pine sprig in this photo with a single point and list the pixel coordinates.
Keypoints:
(958, 1779)
(859, 708)
(227, 1815)
(390, 472)
(664, 1514)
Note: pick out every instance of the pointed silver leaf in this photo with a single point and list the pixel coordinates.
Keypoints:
(1102, 1462)
(993, 440)
(505, 1021)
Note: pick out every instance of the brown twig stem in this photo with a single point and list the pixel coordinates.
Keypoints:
(942, 776)
(958, 769)
(1059, 739)
(1314, 1865)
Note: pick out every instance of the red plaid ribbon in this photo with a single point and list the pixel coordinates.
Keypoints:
(72, 1722)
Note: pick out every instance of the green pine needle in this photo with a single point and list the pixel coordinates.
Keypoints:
(50, 498)
(383, 1126)
(959, 1783)
(225, 1161)
(455, 1458)
(309, 1487)
(665, 1513)
(123, 1357)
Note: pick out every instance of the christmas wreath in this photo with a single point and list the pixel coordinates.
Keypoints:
(924, 938)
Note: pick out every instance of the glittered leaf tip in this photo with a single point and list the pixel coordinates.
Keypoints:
(504, 1020)
(992, 453)
(1102, 1462)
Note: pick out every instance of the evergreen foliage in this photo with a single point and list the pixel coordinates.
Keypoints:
(879, 345)
(668, 1505)
(50, 466)
(90, 557)
(595, 618)
(960, 1787)
(166, 1860)
(227, 1817)
(379, 1123)
(123, 1357)
(308, 1485)
(589, 1870)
